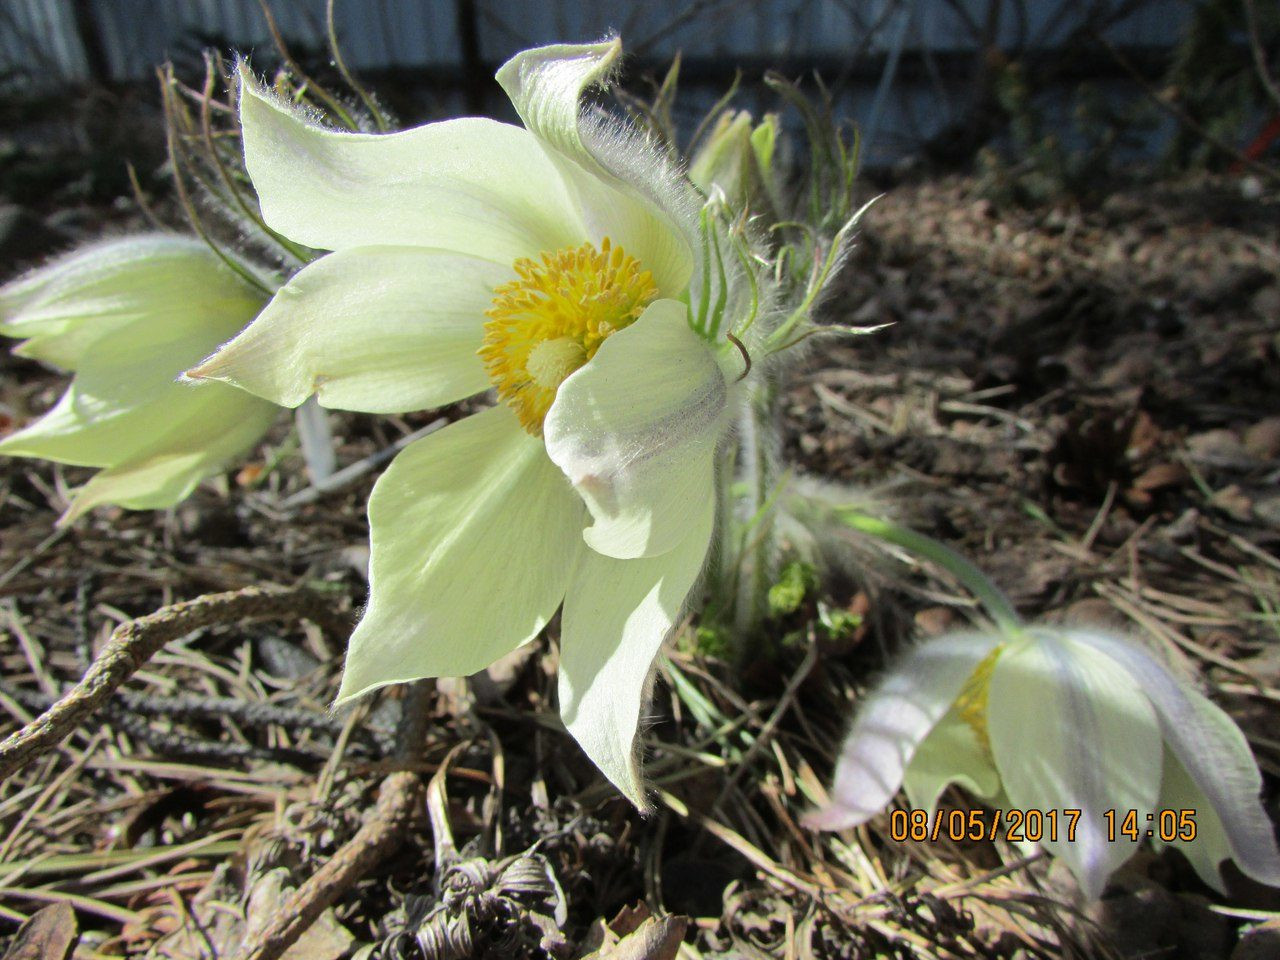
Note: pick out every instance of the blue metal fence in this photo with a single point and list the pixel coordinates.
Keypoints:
(56, 41)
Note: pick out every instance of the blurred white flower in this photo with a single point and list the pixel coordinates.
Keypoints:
(127, 317)
(1059, 719)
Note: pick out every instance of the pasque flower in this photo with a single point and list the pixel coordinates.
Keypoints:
(128, 316)
(563, 265)
(1059, 719)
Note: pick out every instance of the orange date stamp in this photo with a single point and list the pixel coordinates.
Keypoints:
(1035, 826)
(1014, 826)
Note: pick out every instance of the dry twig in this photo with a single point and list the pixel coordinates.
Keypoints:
(134, 643)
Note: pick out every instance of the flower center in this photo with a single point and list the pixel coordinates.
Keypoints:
(971, 704)
(551, 320)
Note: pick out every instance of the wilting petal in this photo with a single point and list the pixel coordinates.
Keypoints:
(470, 185)
(375, 329)
(636, 430)
(890, 726)
(617, 613)
(1070, 730)
(474, 534)
(625, 187)
(1211, 750)
(164, 288)
(951, 753)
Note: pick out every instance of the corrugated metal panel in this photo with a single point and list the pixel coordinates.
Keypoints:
(39, 35)
(39, 39)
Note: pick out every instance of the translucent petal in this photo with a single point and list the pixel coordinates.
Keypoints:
(146, 283)
(474, 534)
(636, 430)
(951, 753)
(375, 329)
(889, 727)
(1212, 845)
(624, 187)
(617, 614)
(1211, 749)
(471, 185)
(1069, 730)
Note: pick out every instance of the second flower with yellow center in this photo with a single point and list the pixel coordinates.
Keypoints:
(551, 320)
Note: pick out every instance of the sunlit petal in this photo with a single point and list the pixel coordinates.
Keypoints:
(636, 430)
(625, 188)
(375, 329)
(470, 185)
(616, 616)
(474, 534)
(1211, 750)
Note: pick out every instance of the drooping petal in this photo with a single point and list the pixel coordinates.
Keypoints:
(951, 753)
(374, 329)
(199, 442)
(1180, 796)
(115, 414)
(474, 534)
(636, 431)
(470, 185)
(148, 283)
(617, 614)
(1211, 749)
(891, 725)
(625, 188)
(1069, 730)
(156, 439)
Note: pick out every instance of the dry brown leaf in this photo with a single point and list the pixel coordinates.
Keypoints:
(48, 935)
(657, 938)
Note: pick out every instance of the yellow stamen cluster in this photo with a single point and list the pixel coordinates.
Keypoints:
(971, 704)
(551, 320)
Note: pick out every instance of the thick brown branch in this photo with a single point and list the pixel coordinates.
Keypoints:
(134, 643)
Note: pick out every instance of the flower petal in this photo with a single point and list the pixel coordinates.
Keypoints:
(617, 614)
(474, 535)
(147, 283)
(1212, 844)
(951, 753)
(197, 445)
(112, 415)
(636, 430)
(470, 185)
(128, 316)
(1211, 749)
(374, 329)
(890, 726)
(1069, 730)
(625, 187)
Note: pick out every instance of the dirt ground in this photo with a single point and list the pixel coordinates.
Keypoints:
(1086, 402)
